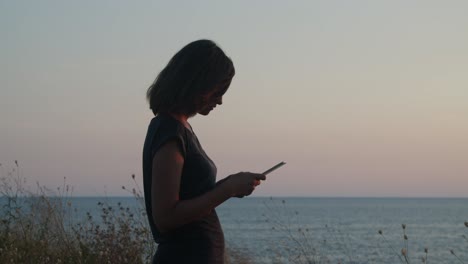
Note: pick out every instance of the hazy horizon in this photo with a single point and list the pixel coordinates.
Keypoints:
(297, 197)
(361, 98)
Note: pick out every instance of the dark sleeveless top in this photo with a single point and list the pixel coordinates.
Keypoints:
(202, 240)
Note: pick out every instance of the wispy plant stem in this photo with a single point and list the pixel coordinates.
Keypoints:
(396, 252)
(453, 253)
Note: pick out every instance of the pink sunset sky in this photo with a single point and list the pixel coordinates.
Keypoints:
(360, 98)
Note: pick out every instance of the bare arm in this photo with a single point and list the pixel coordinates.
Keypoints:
(168, 210)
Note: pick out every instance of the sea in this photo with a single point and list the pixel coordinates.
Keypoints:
(332, 230)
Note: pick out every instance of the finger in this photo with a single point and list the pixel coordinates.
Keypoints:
(256, 182)
(260, 177)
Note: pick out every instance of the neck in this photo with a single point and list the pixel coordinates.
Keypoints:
(181, 118)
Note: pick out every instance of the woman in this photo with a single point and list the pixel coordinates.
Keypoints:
(180, 186)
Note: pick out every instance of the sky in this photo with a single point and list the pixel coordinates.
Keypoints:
(359, 98)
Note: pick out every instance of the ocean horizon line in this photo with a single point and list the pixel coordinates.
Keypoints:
(292, 197)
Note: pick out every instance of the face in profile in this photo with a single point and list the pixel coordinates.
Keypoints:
(210, 101)
(213, 98)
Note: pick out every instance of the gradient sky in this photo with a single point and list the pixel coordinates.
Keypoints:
(360, 98)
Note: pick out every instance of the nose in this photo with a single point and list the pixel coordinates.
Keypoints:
(220, 101)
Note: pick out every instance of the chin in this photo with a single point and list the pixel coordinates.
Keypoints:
(205, 112)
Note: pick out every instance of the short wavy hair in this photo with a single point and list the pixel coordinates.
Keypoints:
(196, 70)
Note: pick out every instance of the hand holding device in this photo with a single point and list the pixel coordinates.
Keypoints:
(274, 168)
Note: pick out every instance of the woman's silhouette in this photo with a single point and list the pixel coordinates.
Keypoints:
(180, 186)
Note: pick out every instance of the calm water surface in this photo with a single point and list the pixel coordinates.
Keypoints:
(346, 229)
(333, 230)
